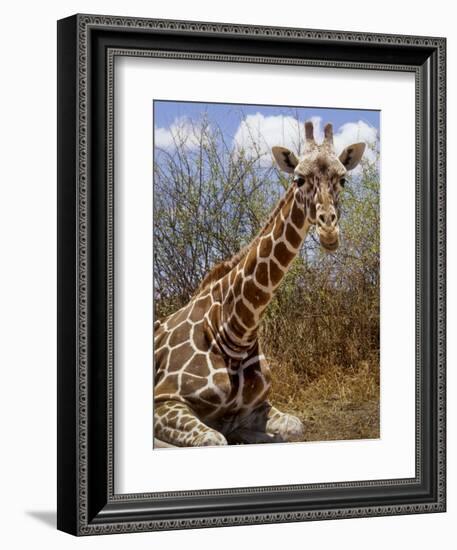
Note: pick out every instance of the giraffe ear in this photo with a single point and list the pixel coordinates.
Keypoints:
(285, 159)
(352, 155)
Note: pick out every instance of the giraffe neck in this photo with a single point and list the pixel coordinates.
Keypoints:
(249, 287)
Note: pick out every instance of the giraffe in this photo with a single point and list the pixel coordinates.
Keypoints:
(212, 380)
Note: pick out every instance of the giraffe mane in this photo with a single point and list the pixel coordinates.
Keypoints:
(225, 266)
(221, 269)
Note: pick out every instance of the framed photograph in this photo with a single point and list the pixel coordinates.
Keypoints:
(251, 271)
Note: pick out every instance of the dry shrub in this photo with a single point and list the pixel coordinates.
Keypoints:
(340, 403)
(321, 331)
(321, 338)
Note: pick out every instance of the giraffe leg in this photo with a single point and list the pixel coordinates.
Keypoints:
(286, 426)
(176, 423)
(248, 436)
(266, 424)
(252, 428)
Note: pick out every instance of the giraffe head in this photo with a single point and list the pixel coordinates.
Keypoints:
(319, 175)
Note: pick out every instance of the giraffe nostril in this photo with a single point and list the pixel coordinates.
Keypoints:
(321, 219)
(333, 219)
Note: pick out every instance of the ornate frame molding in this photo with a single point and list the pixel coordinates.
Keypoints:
(80, 512)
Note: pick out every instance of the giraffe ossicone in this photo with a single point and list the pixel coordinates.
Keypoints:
(211, 379)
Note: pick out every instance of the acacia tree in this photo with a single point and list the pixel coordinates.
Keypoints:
(210, 199)
(326, 311)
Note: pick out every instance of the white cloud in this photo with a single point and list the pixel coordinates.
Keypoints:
(182, 131)
(354, 132)
(257, 134)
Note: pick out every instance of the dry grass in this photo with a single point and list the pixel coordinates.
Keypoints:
(323, 348)
(337, 403)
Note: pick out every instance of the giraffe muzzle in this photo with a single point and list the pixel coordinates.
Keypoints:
(330, 240)
(327, 227)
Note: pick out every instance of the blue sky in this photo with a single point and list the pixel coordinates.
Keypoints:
(228, 116)
(255, 129)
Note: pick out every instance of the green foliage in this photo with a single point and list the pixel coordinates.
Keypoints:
(210, 200)
(326, 311)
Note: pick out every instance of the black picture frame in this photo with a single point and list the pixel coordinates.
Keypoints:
(87, 45)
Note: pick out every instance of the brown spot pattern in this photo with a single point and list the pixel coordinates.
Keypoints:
(287, 206)
(298, 215)
(211, 396)
(250, 263)
(312, 211)
(161, 356)
(216, 292)
(200, 308)
(237, 328)
(279, 228)
(198, 366)
(237, 285)
(275, 272)
(178, 318)
(261, 274)
(265, 247)
(224, 284)
(189, 384)
(168, 386)
(160, 338)
(200, 338)
(292, 236)
(254, 294)
(283, 254)
(179, 356)
(180, 335)
(222, 381)
(245, 314)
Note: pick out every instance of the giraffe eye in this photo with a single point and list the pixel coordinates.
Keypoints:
(342, 182)
(299, 180)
